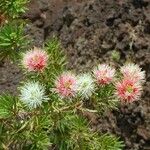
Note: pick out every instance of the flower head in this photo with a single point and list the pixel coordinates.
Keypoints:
(128, 90)
(32, 94)
(85, 85)
(65, 85)
(104, 74)
(35, 60)
(133, 71)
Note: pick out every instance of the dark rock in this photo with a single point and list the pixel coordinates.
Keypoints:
(143, 132)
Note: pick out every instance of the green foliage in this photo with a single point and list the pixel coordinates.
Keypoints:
(38, 141)
(109, 142)
(13, 8)
(12, 41)
(105, 99)
(65, 128)
(57, 59)
(25, 131)
(7, 105)
(72, 133)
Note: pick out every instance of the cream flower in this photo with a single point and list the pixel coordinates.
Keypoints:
(32, 94)
(85, 85)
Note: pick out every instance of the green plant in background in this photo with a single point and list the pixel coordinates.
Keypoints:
(12, 36)
(12, 40)
(13, 8)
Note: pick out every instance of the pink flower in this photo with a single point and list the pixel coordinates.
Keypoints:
(128, 90)
(133, 71)
(35, 60)
(104, 74)
(66, 85)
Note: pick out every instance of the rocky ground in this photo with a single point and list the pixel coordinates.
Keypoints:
(89, 32)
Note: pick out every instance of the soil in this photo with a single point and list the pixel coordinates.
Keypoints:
(89, 32)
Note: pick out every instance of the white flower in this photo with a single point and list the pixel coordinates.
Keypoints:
(85, 85)
(33, 94)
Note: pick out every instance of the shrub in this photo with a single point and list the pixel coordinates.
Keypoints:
(13, 8)
(12, 41)
(48, 111)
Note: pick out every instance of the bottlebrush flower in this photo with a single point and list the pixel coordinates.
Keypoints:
(65, 85)
(128, 90)
(85, 85)
(133, 71)
(104, 74)
(35, 60)
(32, 94)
